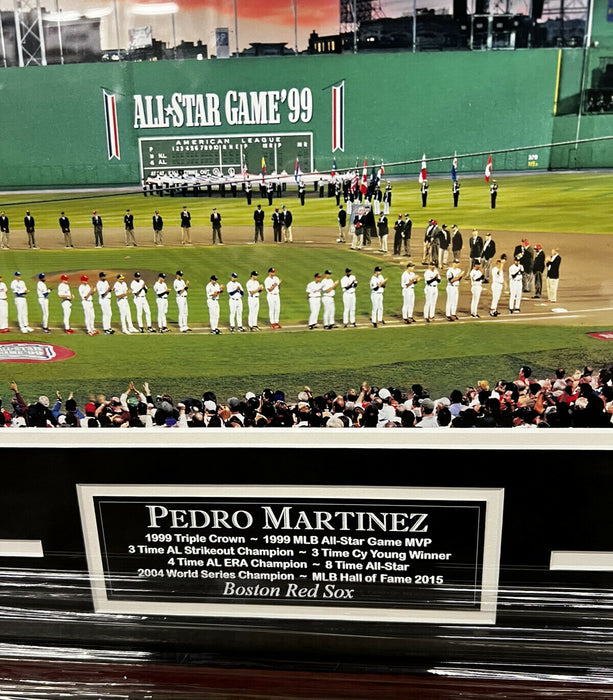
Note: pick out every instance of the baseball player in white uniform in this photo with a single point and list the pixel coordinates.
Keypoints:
(4, 307)
(497, 278)
(377, 288)
(104, 300)
(161, 299)
(19, 289)
(66, 297)
(121, 290)
(408, 280)
(213, 290)
(235, 300)
(454, 275)
(139, 294)
(431, 280)
(272, 284)
(476, 287)
(86, 294)
(328, 290)
(516, 271)
(254, 288)
(181, 286)
(348, 285)
(42, 291)
(313, 293)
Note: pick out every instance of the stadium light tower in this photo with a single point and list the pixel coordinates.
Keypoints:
(29, 33)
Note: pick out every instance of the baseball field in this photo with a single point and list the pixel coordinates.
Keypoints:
(569, 211)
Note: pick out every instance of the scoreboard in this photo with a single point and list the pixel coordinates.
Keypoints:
(226, 155)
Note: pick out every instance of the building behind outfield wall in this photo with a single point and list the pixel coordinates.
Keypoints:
(106, 124)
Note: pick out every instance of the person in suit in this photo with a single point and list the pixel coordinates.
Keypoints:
(186, 227)
(65, 228)
(258, 218)
(406, 235)
(387, 198)
(553, 274)
(538, 267)
(216, 226)
(476, 247)
(28, 222)
(128, 221)
(276, 225)
(456, 242)
(97, 224)
(286, 224)
(398, 231)
(526, 262)
(383, 228)
(342, 222)
(158, 225)
(489, 251)
(4, 230)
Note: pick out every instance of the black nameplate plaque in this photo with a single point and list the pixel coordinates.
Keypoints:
(381, 554)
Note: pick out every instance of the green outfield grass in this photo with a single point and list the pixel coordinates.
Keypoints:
(554, 202)
(438, 356)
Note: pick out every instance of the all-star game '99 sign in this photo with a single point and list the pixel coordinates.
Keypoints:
(226, 156)
(380, 554)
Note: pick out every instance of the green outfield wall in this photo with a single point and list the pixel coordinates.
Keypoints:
(104, 124)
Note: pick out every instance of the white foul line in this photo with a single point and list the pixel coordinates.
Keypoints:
(581, 561)
(21, 548)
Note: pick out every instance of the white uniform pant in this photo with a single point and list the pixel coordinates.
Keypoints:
(475, 290)
(44, 306)
(4, 314)
(431, 296)
(453, 295)
(182, 309)
(377, 307)
(22, 313)
(213, 305)
(88, 314)
(125, 316)
(162, 304)
(328, 304)
(274, 307)
(105, 308)
(348, 307)
(66, 310)
(253, 305)
(236, 312)
(515, 290)
(552, 289)
(408, 301)
(496, 292)
(142, 307)
(314, 305)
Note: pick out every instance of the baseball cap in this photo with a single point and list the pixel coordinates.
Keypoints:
(64, 278)
(271, 269)
(17, 274)
(121, 277)
(102, 274)
(41, 275)
(84, 278)
(328, 272)
(214, 278)
(234, 274)
(410, 264)
(347, 270)
(179, 272)
(377, 269)
(538, 246)
(254, 273)
(384, 393)
(316, 275)
(210, 407)
(162, 275)
(137, 274)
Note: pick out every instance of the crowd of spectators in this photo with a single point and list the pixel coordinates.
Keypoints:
(579, 400)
